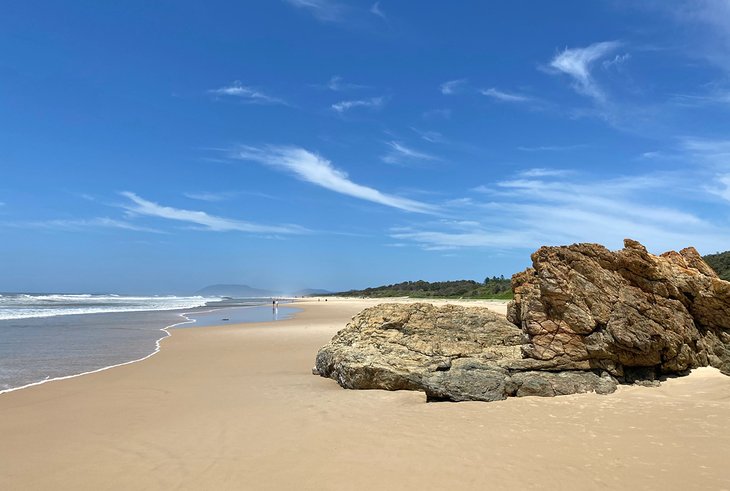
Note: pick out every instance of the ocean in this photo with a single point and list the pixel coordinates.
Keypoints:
(51, 336)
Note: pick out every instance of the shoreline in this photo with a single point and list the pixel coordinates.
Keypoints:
(289, 302)
(157, 346)
(236, 406)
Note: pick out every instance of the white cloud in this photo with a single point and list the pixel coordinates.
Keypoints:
(616, 61)
(376, 10)
(505, 96)
(227, 195)
(452, 86)
(429, 136)
(711, 158)
(246, 94)
(432, 240)
(337, 12)
(708, 35)
(723, 188)
(210, 197)
(322, 10)
(482, 189)
(372, 103)
(529, 212)
(542, 172)
(143, 207)
(336, 84)
(317, 170)
(577, 63)
(550, 148)
(400, 153)
(711, 98)
(709, 152)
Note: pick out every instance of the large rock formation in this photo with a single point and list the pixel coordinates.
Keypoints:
(583, 319)
(450, 352)
(628, 312)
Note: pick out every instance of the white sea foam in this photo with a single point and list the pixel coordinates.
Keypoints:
(25, 306)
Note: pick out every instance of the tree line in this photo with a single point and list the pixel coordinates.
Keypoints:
(497, 287)
(720, 262)
(494, 287)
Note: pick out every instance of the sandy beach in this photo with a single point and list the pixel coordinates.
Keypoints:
(237, 407)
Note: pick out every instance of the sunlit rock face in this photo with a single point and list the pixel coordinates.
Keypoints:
(627, 312)
(583, 319)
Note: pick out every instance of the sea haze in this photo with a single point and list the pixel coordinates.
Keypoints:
(49, 336)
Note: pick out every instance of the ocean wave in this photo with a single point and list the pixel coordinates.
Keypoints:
(25, 306)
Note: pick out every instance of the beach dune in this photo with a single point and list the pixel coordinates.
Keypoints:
(236, 407)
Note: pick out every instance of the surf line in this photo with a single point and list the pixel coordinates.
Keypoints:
(157, 350)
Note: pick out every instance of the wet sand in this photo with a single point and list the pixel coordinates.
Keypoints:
(236, 407)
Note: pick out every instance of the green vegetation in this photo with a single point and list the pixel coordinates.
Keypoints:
(492, 288)
(720, 262)
(495, 288)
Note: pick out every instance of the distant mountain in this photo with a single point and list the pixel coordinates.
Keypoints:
(720, 262)
(307, 292)
(235, 291)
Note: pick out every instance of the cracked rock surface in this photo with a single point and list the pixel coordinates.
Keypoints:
(423, 347)
(583, 318)
(450, 352)
(631, 313)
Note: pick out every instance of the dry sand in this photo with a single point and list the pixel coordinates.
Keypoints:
(236, 407)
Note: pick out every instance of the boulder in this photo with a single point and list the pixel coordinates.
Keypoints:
(451, 353)
(394, 346)
(583, 318)
(631, 313)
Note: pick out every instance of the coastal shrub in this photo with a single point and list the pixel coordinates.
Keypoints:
(494, 287)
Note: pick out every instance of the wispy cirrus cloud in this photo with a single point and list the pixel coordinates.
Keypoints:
(246, 94)
(138, 206)
(712, 40)
(452, 86)
(377, 11)
(710, 157)
(372, 103)
(216, 197)
(577, 63)
(401, 154)
(209, 197)
(710, 98)
(429, 135)
(539, 208)
(616, 61)
(322, 10)
(722, 186)
(317, 170)
(714, 153)
(337, 84)
(503, 96)
(550, 148)
(544, 172)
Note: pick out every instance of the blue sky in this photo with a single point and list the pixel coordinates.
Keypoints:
(162, 146)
